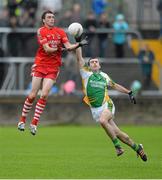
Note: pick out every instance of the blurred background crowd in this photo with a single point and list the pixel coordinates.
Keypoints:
(114, 30)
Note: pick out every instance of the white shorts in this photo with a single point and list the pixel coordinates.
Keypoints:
(96, 112)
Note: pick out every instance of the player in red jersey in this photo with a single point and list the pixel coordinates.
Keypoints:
(46, 67)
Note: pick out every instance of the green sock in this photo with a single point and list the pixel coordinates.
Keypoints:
(116, 142)
(135, 146)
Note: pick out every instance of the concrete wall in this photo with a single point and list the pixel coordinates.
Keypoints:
(70, 109)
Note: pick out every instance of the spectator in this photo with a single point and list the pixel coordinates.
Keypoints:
(99, 6)
(52, 5)
(2, 68)
(90, 25)
(4, 17)
(66, 19)
(31, 7)
(15, 7)
(71, 67)
(69, 87)
(159, 8)
(136, 87)
(119, 38)
(18, 8)
(26, 20)
(13, 38)
(76, 13)
(103, 38)
(146, 58)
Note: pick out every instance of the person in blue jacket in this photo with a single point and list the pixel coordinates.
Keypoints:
(99, 6)
(120, 27)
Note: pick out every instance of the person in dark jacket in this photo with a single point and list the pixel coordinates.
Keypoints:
(146, 58)
(2, 68)
(90, 25)
(103, 37)
(159, 8)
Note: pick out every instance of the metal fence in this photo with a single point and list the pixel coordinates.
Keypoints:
(17, 76)
(4, 32)
(15, 80)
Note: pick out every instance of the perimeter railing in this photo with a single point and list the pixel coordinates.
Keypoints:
(14, 81)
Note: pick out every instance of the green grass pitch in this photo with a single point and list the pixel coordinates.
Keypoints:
(77, 152)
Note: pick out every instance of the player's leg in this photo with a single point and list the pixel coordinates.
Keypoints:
(36, 82)
(121, 135)
(41, 103)
(127, 140)
(105, 117)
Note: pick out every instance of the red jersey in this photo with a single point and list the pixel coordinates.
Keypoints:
(55, 37)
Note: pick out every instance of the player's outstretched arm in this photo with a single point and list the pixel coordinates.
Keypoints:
(79, 56)
(81, 43)
(70, 46)
(122, 89)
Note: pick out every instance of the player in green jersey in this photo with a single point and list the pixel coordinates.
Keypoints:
(95, 87)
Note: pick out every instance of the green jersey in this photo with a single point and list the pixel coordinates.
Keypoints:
(95, 87)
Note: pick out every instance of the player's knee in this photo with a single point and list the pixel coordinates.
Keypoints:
(102, 121)
(32, 96)
(44, 95)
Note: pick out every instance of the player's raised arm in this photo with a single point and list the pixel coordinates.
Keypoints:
(80, 60)
(79, 56)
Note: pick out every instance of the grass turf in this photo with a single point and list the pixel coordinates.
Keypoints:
(77, 152)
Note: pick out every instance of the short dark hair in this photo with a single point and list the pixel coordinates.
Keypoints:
(46, 12)
(90, 59)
